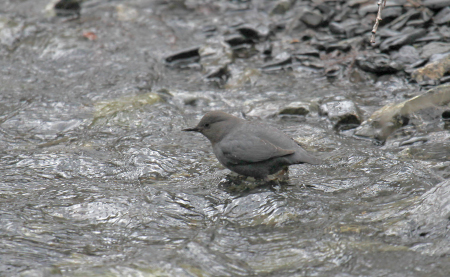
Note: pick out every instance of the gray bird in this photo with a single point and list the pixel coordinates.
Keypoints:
(250, 149)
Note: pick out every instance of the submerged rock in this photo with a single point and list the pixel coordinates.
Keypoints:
(393, 116)
(125, 104)
(296, 108)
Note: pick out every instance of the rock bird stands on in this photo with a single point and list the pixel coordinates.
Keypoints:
(250, 149)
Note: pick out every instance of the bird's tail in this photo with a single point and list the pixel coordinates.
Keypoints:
(305, 157)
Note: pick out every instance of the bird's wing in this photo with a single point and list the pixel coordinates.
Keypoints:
(251, 150)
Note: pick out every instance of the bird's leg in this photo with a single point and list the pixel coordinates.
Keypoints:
(283, 174)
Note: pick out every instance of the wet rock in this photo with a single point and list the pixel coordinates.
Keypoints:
(343, 45)
(390, 13)
(398, 41)
(431, 36)
(265, 48)
(333, 71)
(393, 116)
(365, 9)
(281, 61)
(446, 115)
(183, 57)
(388, 33)
(309, 57)
(401, 21)
(240, 77)
(218, 74)
(416, 23)
(433, 70)
(310, 61)
(357, 75)
(342, 14)
(347, 27)
(209, 30)
(434, 48)
(248, 34)
(406, 55)
(344, 114)
(426, 15)
(326, 11)
(306, 51)
(444, 79)
(67, 7)
(442, 17)
(444, 31)
(436, 4)
(252, 33)
(215, 58)
(378, 63)
(238, 41)
(312, 18)
(296, 108)
(337, 28)
(263, 109)
(418, 63)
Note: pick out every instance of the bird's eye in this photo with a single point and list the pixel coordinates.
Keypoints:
(207, 125)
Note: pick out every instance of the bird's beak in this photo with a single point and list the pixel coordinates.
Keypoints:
(195, 129)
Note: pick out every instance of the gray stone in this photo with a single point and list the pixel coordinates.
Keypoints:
(434, 48)
(343, 113)
(436, 4)
(398, 41)
(406, 55)
(312, 18)
(378, 63)
(442, 17)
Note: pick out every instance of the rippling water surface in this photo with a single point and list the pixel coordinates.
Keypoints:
(97, 178)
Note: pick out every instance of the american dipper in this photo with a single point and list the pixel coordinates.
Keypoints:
(250, 149)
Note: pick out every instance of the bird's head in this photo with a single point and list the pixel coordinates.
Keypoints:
(215, 125)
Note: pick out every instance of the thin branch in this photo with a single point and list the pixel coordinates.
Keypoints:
(381, 5)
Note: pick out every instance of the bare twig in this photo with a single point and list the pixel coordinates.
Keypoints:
(381, 5)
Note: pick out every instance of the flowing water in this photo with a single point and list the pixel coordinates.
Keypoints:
(97, 178)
